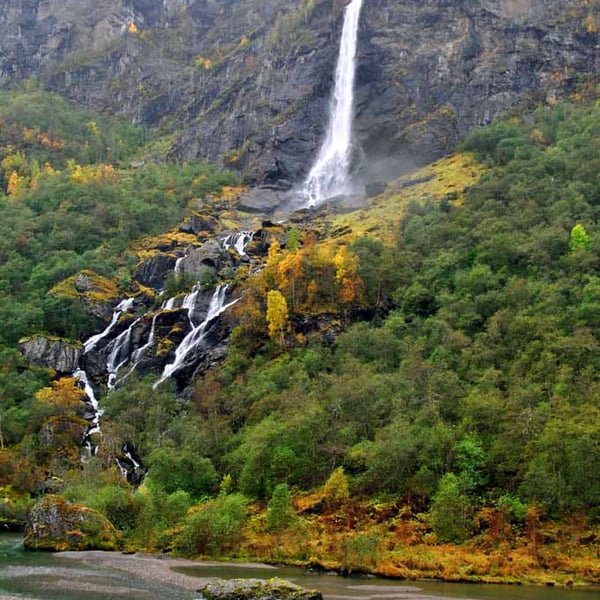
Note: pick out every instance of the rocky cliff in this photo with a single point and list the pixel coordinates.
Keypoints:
(246, 82)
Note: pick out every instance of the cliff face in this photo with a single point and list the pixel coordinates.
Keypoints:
(246, 82)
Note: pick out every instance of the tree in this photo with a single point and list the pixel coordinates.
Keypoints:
(277, 315)
(280, 512)
(336, 491)
(579, 239)
(450, 510)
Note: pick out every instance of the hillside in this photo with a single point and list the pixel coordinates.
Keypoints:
(462, 397)
(402, 381)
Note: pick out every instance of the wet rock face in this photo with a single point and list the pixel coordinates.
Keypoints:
(153, 271)
(252, 78)
(57, 525)
(59, 355)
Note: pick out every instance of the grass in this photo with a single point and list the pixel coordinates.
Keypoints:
(359, 537)
(444, 180)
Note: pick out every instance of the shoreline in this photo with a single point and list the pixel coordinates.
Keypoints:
(159, 569)
(148, 567)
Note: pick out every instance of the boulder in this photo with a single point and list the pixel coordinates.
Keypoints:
(57, 525)
(203, 261)
(257, 589)
(43, 351)
(198, 223)
(374, 188)
(262, 199)
(153, 271)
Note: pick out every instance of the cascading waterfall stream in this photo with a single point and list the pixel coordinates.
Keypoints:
(330, 174)
(195, 337)
(122, 307)
(119, 355)
(239, 241)
(82, 377)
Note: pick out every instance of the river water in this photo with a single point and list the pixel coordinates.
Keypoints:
(102, 576)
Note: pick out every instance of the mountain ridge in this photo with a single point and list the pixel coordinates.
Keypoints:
(246, 84)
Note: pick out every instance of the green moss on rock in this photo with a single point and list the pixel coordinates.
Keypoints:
(57, 525)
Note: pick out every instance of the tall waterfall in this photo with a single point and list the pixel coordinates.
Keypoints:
(329, 176)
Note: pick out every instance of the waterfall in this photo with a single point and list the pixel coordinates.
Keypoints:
(119, 355)
(239, 241)
(330, 173)
(94, 424)
(138, 354)
(195, 337)
(189, 303)
(122, 307)
(178, 265)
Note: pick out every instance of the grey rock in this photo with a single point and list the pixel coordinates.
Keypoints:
(57, 525)
(262, 199)
(374, 188)
(197, 223)
(257, 589)
(153, 271)
(204, 260)
(60, 355)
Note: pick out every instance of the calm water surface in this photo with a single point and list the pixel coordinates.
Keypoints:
(336, 588)
(43, 576)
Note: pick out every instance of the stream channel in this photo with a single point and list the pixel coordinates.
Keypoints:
(113, 576)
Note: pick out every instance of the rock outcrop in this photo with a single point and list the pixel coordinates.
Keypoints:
(257, 589)
(43, 351)
(249, 80)
(57, 525)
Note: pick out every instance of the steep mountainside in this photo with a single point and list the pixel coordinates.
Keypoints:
(246, 83)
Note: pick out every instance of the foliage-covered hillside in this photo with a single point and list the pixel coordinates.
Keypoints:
(460, 404)
(70, 199)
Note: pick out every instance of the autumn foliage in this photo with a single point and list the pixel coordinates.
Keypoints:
(304, 279)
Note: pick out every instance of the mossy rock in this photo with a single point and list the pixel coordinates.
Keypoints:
(57, 525)
(99, 294)
(257, 589)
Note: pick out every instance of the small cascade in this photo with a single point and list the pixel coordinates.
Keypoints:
(189, 302)
(330, 174)
(238, 240)
(195, 337)
(122, 307)
(178, 265)
(94, 424)
(130, 465)
(138, 354)
(141, 351)
(120, 354)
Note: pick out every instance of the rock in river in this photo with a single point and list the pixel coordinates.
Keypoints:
(55, 524)
(257, 589)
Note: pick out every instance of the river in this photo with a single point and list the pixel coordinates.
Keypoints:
(112, 576)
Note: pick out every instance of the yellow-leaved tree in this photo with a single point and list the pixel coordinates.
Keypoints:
(277, 315)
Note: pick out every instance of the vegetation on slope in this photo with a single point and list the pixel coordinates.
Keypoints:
(459, 407)
(70, 200)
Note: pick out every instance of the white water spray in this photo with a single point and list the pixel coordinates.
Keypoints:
(330, 174)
